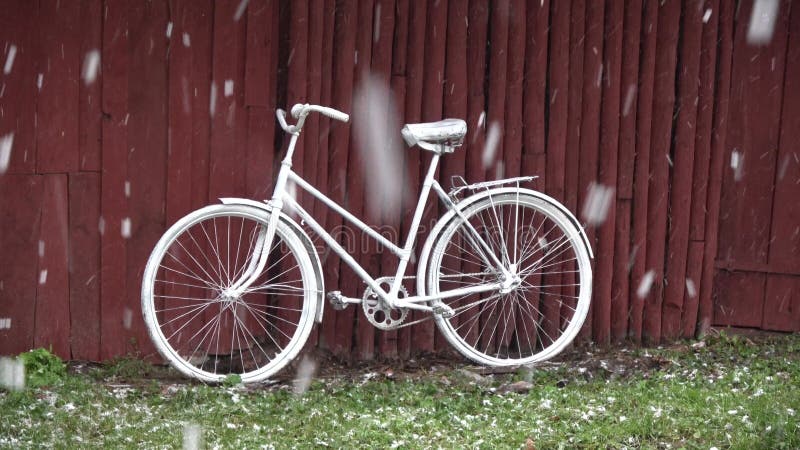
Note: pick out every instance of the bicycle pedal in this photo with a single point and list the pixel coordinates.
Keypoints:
(443, 310)
(336, 300)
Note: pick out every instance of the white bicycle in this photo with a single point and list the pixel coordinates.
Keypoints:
(236, 287)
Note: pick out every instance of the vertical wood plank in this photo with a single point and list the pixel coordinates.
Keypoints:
(19, 86)
(52, 323)
(782, 303)
(574, 96)
(89, 94)
(200, 32)
(694, 274)
(739, 299)
(147, 154)
(629, 90)
(607, 171)
(721, 107)
(641, 177)
(382, 261)
(113, 203)
(784, 247)
(84, 265)
(320, 209)
(339, 333)
(227, 158)
(753, 134)
(415, 58)
(260, 98)
(19, 236)
(178, 199)
(705, 117)
(680, 198)
(356, 180)
(663, 109)
(60, 41)
(590, 120)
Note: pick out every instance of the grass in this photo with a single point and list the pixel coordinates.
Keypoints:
(726, 392)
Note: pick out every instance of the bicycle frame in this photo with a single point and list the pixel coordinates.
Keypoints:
(281, 198)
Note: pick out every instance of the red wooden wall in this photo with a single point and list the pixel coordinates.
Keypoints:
(649, 99)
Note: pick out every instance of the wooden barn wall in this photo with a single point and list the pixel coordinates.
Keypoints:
(645, 100)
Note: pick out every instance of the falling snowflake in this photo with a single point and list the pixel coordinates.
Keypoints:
(490, 146)
(645, 284)
(597, 204)
(762, 22)
(12, 53)
(91, 65)
(6, 142)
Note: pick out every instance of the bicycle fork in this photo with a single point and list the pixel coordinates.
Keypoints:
(266, 235)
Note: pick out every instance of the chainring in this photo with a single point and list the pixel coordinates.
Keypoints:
(378, 312)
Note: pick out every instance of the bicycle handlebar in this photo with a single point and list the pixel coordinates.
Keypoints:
(300, 111)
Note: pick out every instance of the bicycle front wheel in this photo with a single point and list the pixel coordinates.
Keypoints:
(542, 312)
(192, 314)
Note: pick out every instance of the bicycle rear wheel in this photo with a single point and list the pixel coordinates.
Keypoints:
(194, 319)
(541, 315)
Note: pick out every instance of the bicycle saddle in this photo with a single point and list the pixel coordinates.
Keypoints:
(438, 137)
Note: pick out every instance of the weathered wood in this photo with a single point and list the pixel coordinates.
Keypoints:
(89, 113)
(782, 303)
(477, 34)
(113, 203)
(60, 40)
(383, 261)
(641, 178)
(784, 247)
(753, 134)
(84, 265)
(52, 320)
(607, 171)
(19, 85)
(145, 184)
(680, 199)
(574, 95)
(179, 164)
(590, 124)
(620, 294)
(340, 336)
(620, 297)
(739, 299)
(199, 28)
(657, 194)
(705, 117)
(19, 259)
(694, 274)
(721, 107)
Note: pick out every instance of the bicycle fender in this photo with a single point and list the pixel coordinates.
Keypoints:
(445, 219)
(315, 261)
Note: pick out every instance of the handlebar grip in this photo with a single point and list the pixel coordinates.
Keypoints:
(332, 113)
(300, 109)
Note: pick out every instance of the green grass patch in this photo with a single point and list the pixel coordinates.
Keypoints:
(726, 393)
